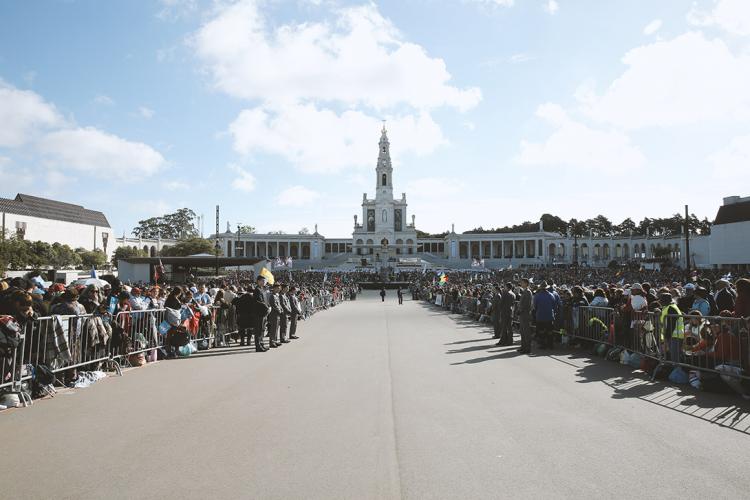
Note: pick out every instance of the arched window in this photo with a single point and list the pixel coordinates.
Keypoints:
(385, 180)
(385, 215)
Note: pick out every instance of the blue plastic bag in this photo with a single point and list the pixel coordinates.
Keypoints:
(164, 328)
(679, 376)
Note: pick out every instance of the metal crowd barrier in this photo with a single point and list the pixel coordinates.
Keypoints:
(714, 344)
(93, 342)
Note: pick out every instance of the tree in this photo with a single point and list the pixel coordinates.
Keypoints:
(575, 228)
(177, 225)
(247, 229)
(553, 223)
(190, 246)
(62, 257)
(625, 227)
(127, 253)
(92, 258)
(304, 231)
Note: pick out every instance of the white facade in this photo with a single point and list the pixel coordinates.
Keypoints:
(384, 233)
(73, 234)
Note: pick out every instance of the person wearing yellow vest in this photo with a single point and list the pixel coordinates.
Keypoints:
(672, 326)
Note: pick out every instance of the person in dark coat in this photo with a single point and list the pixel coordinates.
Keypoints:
(400, 294)
(524, 316)
(497, 299)
(244, 308)
(274, 315)
(382, 295)
(507, 302)
(296, 307)
(261, 310)
(286, 311)
(724, 296)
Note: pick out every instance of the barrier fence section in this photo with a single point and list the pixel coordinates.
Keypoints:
(714, 344)
(100, 341)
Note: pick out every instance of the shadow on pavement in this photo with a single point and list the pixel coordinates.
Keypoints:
(723, 409)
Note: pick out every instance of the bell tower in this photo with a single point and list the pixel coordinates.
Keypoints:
(384, 181)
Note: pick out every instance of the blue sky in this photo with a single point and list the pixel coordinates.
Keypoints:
(497, 110)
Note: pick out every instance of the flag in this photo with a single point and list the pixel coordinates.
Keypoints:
(443, 279)
(93, 272)
(159, 271)
(325, 278)
(289, 262)
(268, 275)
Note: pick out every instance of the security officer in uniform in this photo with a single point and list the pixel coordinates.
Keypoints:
(286, 309)
(524, 316)
(497, 299)
(296, 312)
(274, 315)
(260, 310)
(507, 302)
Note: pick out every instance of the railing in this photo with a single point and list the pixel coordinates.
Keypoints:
(715, 344)
(64, 344)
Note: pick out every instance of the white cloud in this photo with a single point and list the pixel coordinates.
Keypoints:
(100, 153)
(359, 58)
(173, 9)
(495, 3)
(519, 58)
(576, 145)
(320, 140)
(551, 7)
(145, 112)
(176, 185)
(23, 115)
(297, 196)
(733, 16)
(686, 80)
(245, 181)
(104, 100)
(652, 27)
(427, 188)
(732, 162)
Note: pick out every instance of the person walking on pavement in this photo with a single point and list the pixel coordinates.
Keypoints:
(382, 294)
(400, 294)
(507, 302)
(296, 307)
(274, 315)
(524, 316)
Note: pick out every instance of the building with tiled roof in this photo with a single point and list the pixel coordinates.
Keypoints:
(41, 219)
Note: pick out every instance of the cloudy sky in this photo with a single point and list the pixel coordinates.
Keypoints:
(497, 110)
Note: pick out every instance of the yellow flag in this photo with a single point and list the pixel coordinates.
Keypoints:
(267, 274)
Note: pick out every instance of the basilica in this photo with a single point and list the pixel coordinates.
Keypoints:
(386, 236)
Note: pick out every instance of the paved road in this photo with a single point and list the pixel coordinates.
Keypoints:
(378, 401)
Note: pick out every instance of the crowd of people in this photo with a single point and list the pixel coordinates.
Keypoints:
(698, 321)
(164, 319)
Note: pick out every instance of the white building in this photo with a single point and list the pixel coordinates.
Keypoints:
(730, 234)
(39, 219)
(385, 238)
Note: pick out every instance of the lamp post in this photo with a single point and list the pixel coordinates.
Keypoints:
(237, 248)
